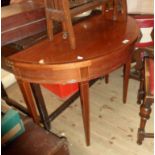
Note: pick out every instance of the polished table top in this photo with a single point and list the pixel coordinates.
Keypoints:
(95, 39)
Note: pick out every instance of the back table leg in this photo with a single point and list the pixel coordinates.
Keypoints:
(126, 80)
(41, 105)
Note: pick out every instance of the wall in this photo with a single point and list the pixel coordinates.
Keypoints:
(7, 78)
(140, 6)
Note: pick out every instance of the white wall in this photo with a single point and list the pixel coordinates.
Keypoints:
(140, 6)
(7, 78)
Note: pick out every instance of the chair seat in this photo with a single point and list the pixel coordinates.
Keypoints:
(151, 75)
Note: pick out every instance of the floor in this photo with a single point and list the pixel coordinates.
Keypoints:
(113, 124)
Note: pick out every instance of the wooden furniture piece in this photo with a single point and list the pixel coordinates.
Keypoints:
(146, 97)
(115, 10)
(28, 12)
(49, 143)
(64, 11)
(56, 62)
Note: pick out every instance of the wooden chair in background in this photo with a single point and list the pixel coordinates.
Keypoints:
(64, 11)
(146, 97)
(115, 10)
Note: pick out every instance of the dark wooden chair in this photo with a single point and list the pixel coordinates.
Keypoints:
(146, 97)
(63, 11)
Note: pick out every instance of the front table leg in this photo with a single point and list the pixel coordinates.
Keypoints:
(27, 94)
(84, 96)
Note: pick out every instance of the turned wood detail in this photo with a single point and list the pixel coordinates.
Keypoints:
(147, 99)
(145, 111)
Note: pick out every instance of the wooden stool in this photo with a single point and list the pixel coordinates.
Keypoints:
(62, 11)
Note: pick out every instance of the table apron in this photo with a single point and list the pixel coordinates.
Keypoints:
(98, 67)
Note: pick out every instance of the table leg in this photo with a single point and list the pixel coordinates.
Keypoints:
(27, 94)
(40, 105)
(126, 80)
(84, 96)
(12, 102)
(106, 78)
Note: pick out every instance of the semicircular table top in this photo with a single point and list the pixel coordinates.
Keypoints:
(96, 38)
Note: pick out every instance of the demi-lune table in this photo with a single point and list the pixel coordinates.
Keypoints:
(102, 47)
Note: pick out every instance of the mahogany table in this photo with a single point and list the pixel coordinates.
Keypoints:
(102, 47)
(29, 17)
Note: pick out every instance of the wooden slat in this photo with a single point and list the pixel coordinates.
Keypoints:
(85, 7)
(22, 20)
(56, 14)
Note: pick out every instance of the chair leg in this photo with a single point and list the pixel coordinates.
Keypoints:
(140, 94)
(49, 26)
(145, 111)
(68, 23)
(65, 31)
(71, 34)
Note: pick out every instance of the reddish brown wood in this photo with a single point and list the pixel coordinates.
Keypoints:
(126, 76)
(58, 58)
(22, 20)
(95, 56)
(147, 99)
(62, 11)
(27, 94)
(84, 96)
